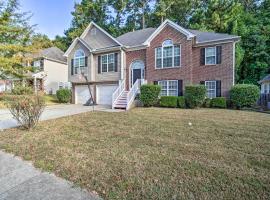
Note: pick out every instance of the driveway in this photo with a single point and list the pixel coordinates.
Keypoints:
(51, 112)
(19, 180)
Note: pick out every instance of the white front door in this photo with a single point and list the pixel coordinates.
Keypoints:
(104, 94)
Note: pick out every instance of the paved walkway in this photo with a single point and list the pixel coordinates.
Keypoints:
(19, 180)
(51, 112)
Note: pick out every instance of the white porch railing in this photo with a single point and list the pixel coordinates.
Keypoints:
(134, 91)
(118, 92)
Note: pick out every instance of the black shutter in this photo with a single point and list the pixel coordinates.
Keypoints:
(115, 62)
(86, 61)
(202, 56)
(202, 82)
(99, 64)
(218, 88)
(42, 64)
(219, 54)
(72, 66)
(180, 87)
(155, 83)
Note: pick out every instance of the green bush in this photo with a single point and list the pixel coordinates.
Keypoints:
(218, 102)
(26, 109)
(244, 95)
(181, 102)
(195, 95)
(207, 103)
(168, 101)
(63, 95)
(149, 94)
(22, 90)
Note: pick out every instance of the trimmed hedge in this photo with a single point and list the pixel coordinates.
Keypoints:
(181, 102)
(207, 103)
(244, 95)
(63, 95)
(168, 101)
(195, 95)
(149, 94)
(218, 102)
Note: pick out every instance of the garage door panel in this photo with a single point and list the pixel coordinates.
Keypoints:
(104, 94)
(82, 94)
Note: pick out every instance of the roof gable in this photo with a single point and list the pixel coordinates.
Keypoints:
(74, 44)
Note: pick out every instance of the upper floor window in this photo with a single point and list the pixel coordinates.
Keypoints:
(36, 63)
(108, 62)
(79, 62)
(167, 56)
(210, 56)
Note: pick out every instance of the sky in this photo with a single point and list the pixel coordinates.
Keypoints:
(52, 17)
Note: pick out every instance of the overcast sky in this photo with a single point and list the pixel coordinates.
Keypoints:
(51, 16)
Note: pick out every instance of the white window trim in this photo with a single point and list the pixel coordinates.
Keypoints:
(173, 45)
(215, 48)
(167, 89)
(215, 90)
(107, 63)
(78, 58)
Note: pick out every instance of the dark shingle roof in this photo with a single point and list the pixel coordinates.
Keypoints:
(265, 79)
(136, 37)
(139, 37)
(53, 53)
(202, 36)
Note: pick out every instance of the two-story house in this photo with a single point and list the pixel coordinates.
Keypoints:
(170, 56)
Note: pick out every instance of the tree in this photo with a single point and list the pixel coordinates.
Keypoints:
(15, 39)
(41, 41)
(61, 42)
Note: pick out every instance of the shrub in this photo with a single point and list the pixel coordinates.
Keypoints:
(22, 90)
(207, 103)
(63, 95)
(168, 101)
(195, 95)
(149, 94)
(26, 109)
(181, 102)
(244, 95)
(218, 102)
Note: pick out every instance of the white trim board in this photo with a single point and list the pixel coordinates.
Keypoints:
(172, 24)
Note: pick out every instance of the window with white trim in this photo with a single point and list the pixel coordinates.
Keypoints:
(168, 87)
(167, 56)
(79, 62)
(210, 56)
(211, 91)
(107, 63)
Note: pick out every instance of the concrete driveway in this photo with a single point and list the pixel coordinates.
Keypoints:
(51, 112)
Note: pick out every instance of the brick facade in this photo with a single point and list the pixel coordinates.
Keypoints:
(191, 71)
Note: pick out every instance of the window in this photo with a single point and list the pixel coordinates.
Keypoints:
(79, 62)
(168, 55)
(108, 63)
(169, 87)
(210, 55)
(36, 64)
(210, 89)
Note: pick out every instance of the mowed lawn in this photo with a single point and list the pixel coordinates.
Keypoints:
(154, 153)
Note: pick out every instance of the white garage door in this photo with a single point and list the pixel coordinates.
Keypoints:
(82, 94)
(104, 94)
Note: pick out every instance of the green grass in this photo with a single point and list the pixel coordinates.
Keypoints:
(154, 153)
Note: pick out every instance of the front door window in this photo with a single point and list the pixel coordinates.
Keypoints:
(137, 71)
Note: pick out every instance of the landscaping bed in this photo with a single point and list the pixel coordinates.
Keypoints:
(154, 153)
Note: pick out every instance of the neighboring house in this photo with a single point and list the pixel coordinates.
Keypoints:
(169, 55)
(265, 85)
(51, 70)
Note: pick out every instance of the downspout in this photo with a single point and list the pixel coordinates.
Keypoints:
(233, 63)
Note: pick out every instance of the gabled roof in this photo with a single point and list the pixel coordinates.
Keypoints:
(52, 53)
(101, 29)
(74, 43)
(136, 38)
(265, 79)
(204, 37)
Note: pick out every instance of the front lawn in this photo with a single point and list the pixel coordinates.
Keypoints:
(154, 153)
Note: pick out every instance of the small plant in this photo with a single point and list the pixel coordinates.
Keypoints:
(168, 101)
(207, 103)
(63, 95)
(181, 102)
(195, 95)
(149, 94)
(218, 102)
(22, 90)
(244, 95)
(26, 109)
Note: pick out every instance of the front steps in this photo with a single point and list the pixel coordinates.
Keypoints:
(121, 102)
